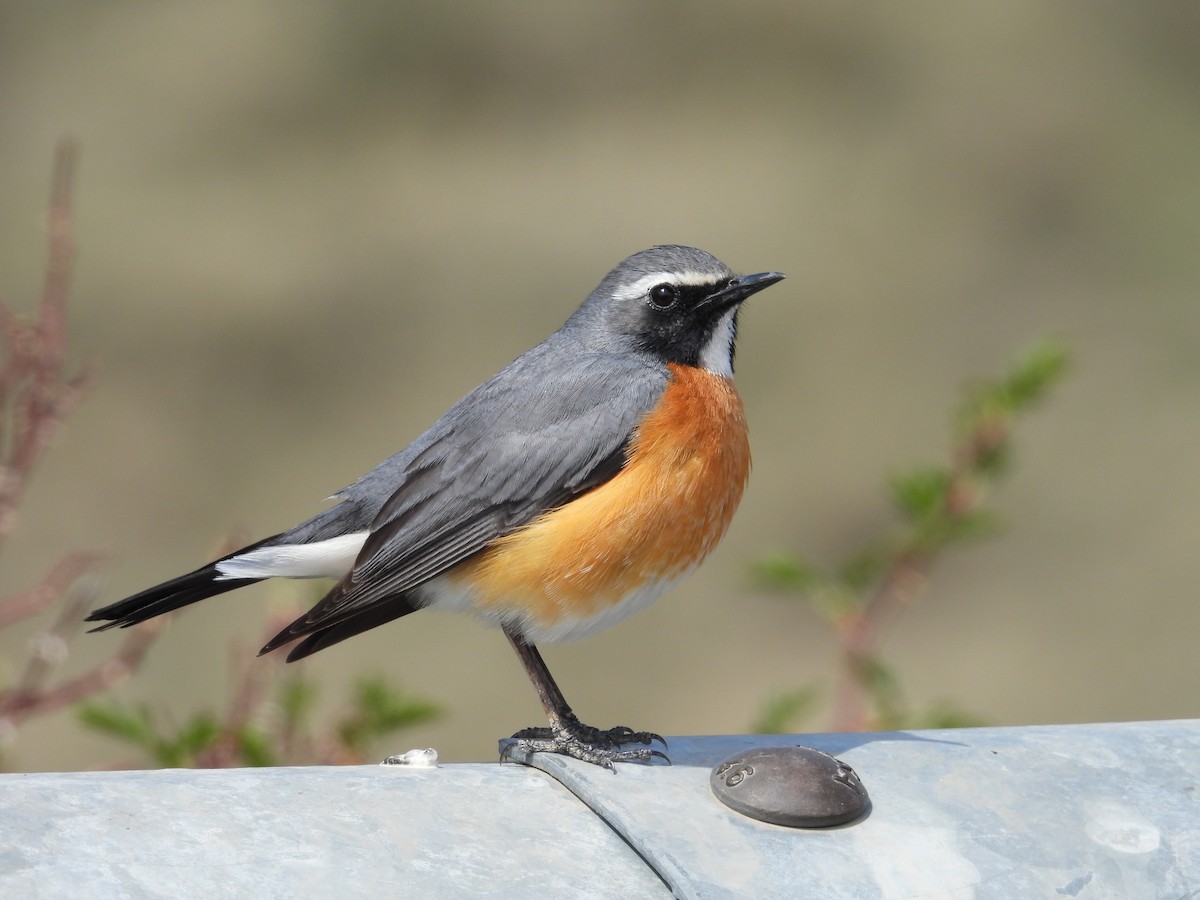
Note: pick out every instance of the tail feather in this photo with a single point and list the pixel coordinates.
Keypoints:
(171, 595)
(207, 581)
(322, 637)
(165, 597)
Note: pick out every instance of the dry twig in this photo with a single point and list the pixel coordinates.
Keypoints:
(36, 394)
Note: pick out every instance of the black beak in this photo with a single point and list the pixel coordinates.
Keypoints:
(742, 287)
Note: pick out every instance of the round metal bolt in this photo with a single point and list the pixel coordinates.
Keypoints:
(795, 786)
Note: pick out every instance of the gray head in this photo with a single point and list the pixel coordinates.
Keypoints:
(676, 303)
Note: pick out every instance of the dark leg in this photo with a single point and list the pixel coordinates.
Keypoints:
(566, 734)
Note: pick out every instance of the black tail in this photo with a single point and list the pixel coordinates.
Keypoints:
(201, 584)
(319, 632)
(322, 636)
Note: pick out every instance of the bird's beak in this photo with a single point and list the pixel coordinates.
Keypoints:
(742, 287)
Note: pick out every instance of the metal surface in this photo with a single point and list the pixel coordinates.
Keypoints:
(467, 830)
(795, 786)
(1087, 811)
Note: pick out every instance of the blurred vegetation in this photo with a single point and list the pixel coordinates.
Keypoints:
(38, 391)
(939, 506)
(307, 228)
(36, 394)
(277, 733)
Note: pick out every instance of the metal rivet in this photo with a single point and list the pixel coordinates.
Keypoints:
(795, 786)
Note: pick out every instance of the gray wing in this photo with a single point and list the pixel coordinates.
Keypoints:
(552, 425)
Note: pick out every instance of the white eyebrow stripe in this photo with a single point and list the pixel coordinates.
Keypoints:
(643, 284)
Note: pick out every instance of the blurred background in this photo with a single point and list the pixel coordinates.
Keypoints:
(306, 229)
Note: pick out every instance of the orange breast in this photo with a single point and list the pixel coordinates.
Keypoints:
(652, 522)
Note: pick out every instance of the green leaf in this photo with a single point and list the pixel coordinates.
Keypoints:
(169, 754)
(992, 456)
(254, 748)
(878, 678)
(834, 600)
(780, 712)
(785, 571)
(975, 524)
(946, 715)
(862, 570)
(297, 700)
(1035, 371)
(933, 537)
(133, 726)
(197, 735)
(920, 493)
(379, 710)
(989, 404)
(882, 686)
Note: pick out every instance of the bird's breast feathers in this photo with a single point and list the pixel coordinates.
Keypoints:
(606, 554)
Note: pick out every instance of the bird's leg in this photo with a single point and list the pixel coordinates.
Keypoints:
(566, 734)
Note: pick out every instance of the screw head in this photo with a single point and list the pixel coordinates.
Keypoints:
(795, 786)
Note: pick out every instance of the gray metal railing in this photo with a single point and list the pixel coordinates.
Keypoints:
(1083, 811)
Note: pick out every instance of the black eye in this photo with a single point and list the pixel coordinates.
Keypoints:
(664, 296)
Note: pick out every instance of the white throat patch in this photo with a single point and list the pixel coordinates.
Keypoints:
(716, 355)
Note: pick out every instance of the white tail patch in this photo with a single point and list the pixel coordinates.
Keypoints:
(330, 558)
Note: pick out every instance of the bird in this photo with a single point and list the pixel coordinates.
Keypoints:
(560, 496)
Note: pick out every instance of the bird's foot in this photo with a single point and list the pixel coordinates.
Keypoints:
(593, 745)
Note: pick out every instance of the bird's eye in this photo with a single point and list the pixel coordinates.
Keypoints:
(664, 296)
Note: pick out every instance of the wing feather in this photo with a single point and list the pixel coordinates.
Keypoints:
(547, 428)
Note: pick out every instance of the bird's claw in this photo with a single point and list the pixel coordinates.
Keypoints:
(583, 742)
(622, 735)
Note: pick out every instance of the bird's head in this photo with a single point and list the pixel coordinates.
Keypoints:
(676, 303)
